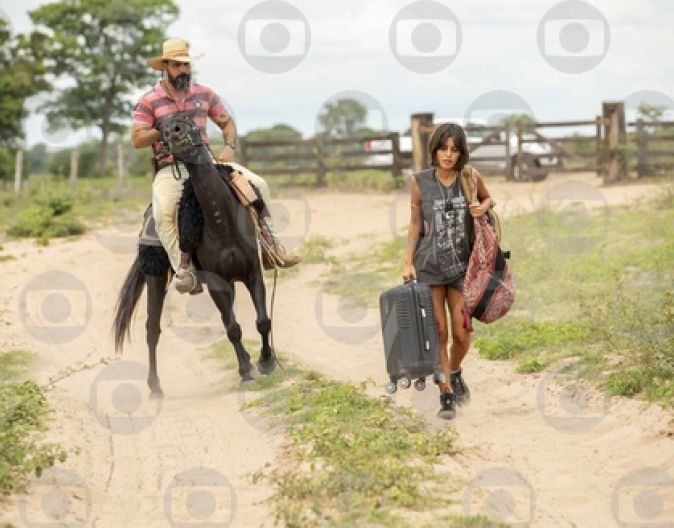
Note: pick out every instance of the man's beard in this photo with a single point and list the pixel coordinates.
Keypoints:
(180, 82)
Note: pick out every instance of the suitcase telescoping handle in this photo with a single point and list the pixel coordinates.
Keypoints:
(425, 343)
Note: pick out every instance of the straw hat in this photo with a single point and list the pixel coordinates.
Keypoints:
(173, 49)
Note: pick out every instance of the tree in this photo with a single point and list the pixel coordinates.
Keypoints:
(101, 46)
(21, 76)
(278, 131)
(343, 118)
(512, 119)
(36, 159)
(651, 113)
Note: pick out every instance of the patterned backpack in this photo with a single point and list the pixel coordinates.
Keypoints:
(489, 287)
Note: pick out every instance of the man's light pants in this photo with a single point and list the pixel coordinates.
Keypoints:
(166, 193)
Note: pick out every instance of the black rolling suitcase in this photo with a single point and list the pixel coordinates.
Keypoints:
(410, 336)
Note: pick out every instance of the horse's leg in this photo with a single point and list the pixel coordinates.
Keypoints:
(156, 291)
(222, 293)
(255, 285)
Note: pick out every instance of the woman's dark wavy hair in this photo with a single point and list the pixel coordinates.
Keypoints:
(440, 137)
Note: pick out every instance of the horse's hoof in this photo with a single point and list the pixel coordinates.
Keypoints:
(266, 367)
(247, 377)
(156, 394)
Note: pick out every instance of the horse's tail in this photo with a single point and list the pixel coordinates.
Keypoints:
(126, 304)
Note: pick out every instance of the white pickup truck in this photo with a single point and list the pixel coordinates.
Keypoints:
(481, 145)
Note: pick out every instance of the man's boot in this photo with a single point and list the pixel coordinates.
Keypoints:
(274, 255)
(186, 280)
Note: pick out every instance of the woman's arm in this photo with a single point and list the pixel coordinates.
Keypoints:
(413, 229)
(486, 202)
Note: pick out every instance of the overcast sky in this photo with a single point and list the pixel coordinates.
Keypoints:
(278, 62)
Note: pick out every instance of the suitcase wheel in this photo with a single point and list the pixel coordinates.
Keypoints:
(420, 384)
(439, 378)
(405, 382)
(390, 387)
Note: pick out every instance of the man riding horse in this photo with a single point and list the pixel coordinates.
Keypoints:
(172, 94)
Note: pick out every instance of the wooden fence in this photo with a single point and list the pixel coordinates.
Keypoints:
(320, 155)
(609, 146)
(527, 151)
(651, 141)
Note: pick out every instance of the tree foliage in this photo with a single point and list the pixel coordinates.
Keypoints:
(278, 131)
(100, 47)
(512, 119)
(651, 113)
(343, 118)
(22, 74)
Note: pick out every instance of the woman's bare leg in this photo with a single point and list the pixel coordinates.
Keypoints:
(460, 336)
(439, 295)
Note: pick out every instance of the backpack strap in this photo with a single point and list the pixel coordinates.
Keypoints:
(468, 183)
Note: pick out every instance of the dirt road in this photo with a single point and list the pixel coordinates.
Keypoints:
(535, 452)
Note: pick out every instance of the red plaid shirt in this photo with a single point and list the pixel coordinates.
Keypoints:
(200, 102)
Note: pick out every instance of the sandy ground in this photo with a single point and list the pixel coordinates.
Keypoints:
(535, 451)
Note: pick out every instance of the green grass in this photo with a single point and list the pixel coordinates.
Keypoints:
(47, 208)
(350, 459)
(14, 363)
(50, 216)
(363, 180)
(315, 249)
(24, 416)
(354, 459)
(596, 286)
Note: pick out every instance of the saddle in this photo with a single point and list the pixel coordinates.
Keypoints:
(148, 232)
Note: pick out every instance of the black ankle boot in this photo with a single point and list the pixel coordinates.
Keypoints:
(447, 406)
(459, 388)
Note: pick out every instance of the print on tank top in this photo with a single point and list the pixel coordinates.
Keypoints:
(450, 231)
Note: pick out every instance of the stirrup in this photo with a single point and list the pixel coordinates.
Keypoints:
(193, 287)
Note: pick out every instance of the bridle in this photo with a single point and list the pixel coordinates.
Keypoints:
(183, 139)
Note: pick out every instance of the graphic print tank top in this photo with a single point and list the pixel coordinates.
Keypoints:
(442, 254)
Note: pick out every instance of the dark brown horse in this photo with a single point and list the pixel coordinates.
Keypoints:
(219, 232)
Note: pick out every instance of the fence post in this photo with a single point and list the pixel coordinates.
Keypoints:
(243, 160)
(74, 158)
(642, 138)
(420, 157)
(597, 145)
(397, 158)
(18, 171)
(614, 112)
(319, 151)
(508, 160)
(120, 161)
(520, 134)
